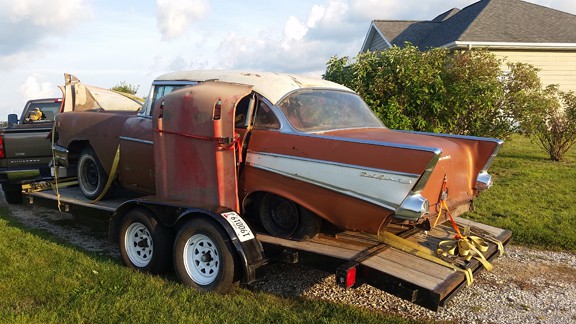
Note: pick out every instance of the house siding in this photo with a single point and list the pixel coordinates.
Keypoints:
(556, 67)
(377, 43)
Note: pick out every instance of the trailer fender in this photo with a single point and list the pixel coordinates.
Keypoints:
(243, 238)
(249, 249)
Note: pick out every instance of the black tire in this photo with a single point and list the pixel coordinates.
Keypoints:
(12, 193)
(284, 218)
(204, 257)
(145, 245)
(92, 177)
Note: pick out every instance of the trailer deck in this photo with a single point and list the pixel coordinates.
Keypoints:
(393, 269)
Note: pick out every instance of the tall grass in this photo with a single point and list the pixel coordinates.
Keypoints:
(532, 196)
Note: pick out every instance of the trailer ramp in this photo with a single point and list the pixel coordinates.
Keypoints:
(393, 270)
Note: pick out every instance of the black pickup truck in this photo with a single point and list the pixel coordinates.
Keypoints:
(25, 146)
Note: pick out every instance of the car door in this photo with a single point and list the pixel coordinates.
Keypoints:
(196, 144)
(136, 165)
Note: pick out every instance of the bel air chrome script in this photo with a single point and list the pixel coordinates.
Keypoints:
(384, 177)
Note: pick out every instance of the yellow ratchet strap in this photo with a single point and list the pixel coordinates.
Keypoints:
(468, 247)
(420, 251)
(55, 187)
(111, 176)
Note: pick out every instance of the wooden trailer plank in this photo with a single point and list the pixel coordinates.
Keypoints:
(411, 268)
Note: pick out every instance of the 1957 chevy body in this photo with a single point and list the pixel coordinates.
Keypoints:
(303, 150)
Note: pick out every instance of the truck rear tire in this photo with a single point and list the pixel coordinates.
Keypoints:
(284, 218)
(12, 193)
(91, 175)
(204, 257)
(145, 245)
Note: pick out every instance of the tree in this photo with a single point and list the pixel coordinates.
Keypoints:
(125, 88)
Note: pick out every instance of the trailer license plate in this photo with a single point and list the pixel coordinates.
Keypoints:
(239, 225)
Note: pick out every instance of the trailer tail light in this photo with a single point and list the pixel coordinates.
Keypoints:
(346, 277)
(2, 155)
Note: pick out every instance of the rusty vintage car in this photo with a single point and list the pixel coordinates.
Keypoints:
(305, 152)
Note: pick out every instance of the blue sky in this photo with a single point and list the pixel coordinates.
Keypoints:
(105, 42)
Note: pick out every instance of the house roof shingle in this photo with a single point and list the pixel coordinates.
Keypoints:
(494, 21)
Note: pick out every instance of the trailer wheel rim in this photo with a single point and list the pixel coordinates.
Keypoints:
(139, 245)
(201, 259)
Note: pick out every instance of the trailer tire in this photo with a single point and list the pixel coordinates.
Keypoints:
(13, 193)
(204, 257)
(92, 177)
(284, 218)
(145, 245)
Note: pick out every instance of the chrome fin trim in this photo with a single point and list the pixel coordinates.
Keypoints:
(381, 187)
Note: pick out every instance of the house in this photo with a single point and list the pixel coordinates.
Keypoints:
(514, 30)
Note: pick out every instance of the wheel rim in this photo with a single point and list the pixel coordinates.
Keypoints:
(201, 259)
(283, 216)
(89, 175)
(139, 245)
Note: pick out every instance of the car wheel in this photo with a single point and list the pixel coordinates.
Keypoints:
(204, 257)
(284, 218)
(145, 245)
(91, 175)
(12, 193)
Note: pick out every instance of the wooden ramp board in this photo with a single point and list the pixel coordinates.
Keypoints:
(399, 272)
(74, 196)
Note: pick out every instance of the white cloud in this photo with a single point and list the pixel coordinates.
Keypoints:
(27, 27)
(175, 16)
(294, 29)
(35, 87)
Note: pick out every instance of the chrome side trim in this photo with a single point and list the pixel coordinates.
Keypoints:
(136, 140)
(415, 205)
(476, 138)
(384, 188)
(492, 156)
(484, 179)
(434, 150)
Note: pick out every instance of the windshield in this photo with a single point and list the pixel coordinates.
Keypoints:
(322, 110)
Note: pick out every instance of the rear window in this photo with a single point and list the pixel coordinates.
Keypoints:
(39, 112)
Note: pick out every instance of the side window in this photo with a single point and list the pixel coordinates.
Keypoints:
(265, 117)
(241, 114)
(160, 91)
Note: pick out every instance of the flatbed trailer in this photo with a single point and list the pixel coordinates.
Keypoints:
(355, 257)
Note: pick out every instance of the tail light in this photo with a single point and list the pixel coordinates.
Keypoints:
(346, 277)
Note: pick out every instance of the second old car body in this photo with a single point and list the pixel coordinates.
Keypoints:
(301, 146)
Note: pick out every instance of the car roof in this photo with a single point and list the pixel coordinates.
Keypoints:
(273, 86)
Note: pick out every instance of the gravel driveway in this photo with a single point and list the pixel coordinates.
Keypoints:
(526, 285)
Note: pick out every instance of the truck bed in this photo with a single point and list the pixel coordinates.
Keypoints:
(391, 269)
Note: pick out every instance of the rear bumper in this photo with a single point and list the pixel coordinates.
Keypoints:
(61, 155)
(20, 175)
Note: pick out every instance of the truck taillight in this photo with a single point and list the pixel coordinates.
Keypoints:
(2, 155)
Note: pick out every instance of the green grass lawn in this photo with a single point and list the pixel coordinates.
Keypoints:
(532, 196)
(45, 281)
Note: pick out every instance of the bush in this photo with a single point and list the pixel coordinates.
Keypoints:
(462, 92)
(555, 130)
